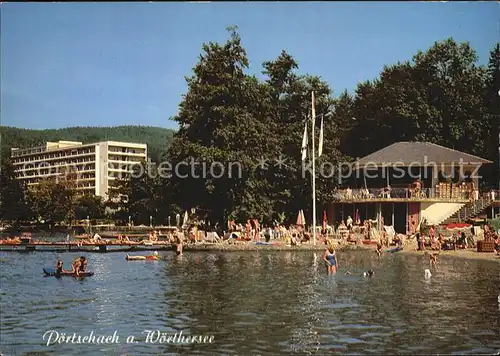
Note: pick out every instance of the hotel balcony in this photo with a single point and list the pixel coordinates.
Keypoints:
(54, 156)
(46, 173)
(127, 153)
(40, 165)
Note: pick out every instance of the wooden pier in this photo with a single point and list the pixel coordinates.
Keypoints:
(78, 247)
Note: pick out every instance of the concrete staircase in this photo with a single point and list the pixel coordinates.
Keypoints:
(469, 210)
(436, 213)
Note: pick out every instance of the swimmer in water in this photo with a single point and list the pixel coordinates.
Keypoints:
(369, 273)
(433, 257)
(379, 248)
(330, 259)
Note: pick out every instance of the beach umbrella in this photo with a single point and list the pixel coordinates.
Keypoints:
(458, 227)
(357, 220)
(186, 218)
(303, 217)
(178, 219)
(325, 220)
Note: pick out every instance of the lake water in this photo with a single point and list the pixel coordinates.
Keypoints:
(253, 303)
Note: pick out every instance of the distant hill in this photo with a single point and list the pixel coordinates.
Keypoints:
(158, 139)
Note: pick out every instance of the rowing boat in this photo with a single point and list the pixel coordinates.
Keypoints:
(51, 272)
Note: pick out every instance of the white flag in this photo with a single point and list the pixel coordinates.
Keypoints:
(304, 144)
(320, 145)
(313, 107)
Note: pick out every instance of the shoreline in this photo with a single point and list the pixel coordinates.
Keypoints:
(463, 254)
(277, 247)
(409, 249)
(470, 254)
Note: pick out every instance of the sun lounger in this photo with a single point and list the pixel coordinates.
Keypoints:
(212, 237)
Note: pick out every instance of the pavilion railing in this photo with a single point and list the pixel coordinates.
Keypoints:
(400, 193)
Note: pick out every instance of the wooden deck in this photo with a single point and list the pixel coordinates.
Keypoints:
(76, 247)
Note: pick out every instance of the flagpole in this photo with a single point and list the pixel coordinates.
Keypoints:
(313, 169)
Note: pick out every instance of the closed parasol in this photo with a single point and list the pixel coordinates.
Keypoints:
(300, 219)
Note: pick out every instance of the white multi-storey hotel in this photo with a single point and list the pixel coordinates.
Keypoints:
(95, 165)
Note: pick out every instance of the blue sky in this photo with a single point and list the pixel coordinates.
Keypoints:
(107, 64)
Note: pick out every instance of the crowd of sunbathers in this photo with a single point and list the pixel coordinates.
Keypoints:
(456, 241)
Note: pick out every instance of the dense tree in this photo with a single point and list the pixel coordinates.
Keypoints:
(89, 206)
(51, 201)
(13, 202)
(222, 126)
(145, 195)
(290, 107)
(492, 108)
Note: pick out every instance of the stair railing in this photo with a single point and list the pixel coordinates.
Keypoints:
(472, 208)
(475, 208)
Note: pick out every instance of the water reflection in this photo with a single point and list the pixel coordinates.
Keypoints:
(256, 303)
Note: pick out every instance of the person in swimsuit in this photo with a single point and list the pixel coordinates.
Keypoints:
(379, 248)
(153, 257)
(75, 266)
(330, 259)
(59, 268)
(433, 257)
(79, 265)
(178, 245)
(83, 264)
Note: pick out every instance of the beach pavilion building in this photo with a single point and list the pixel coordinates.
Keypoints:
(412, 181)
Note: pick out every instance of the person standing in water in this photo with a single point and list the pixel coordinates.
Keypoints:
(331, 260)
(59, 267)
(179, 245)
(433, 257)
